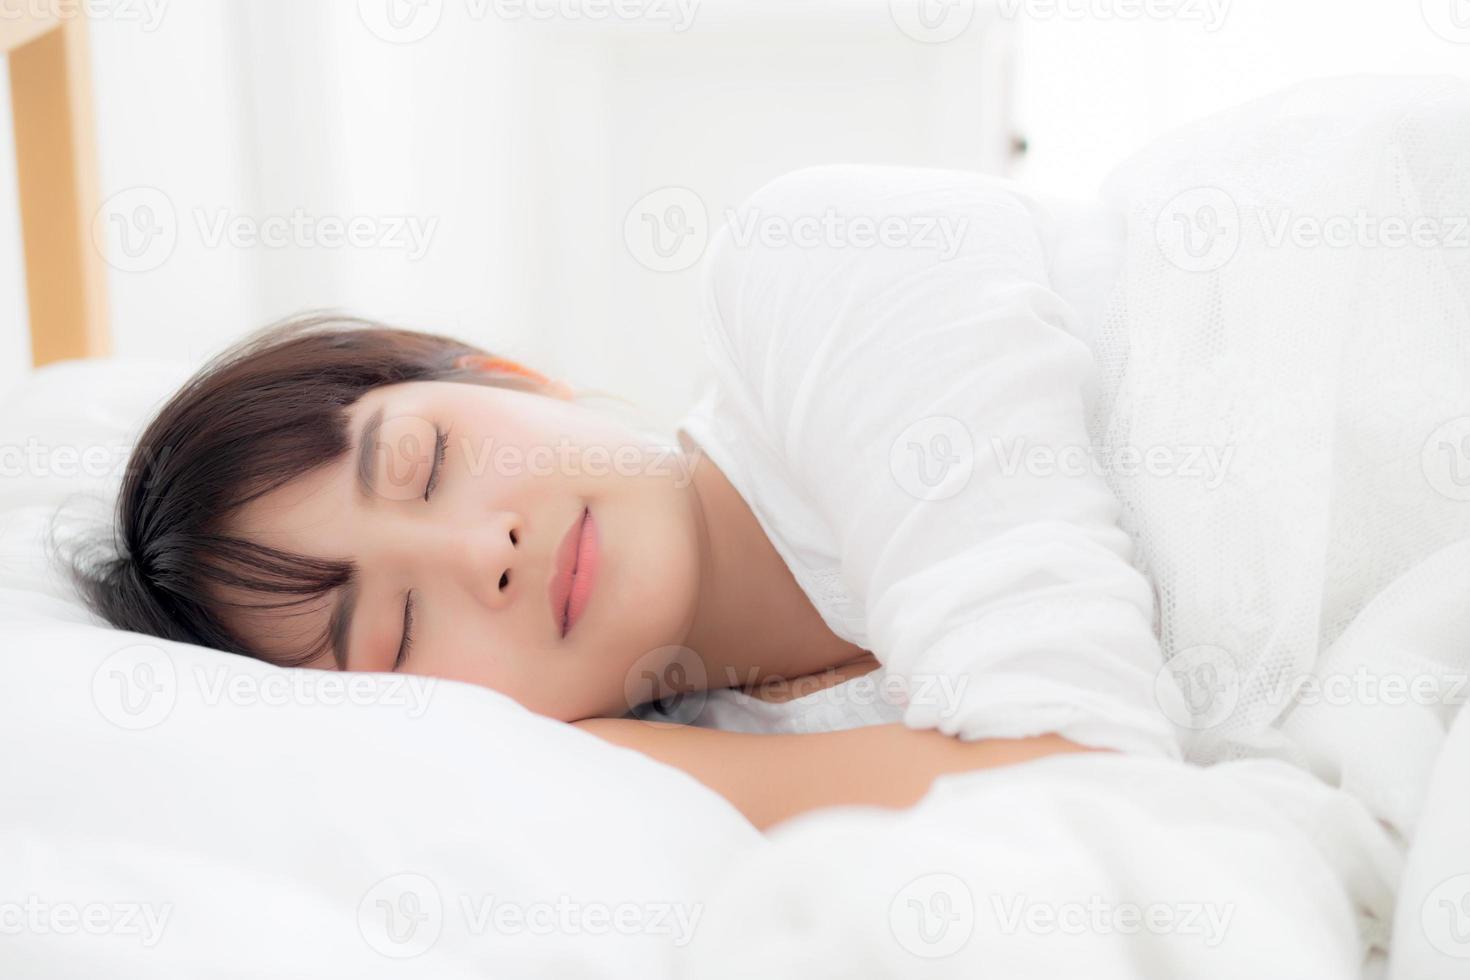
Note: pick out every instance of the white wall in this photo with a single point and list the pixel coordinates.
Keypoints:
(522, 144)
(526, 144)
(174, 113)
(15, 346)
(1093, 87)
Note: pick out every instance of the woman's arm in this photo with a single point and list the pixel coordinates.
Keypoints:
(770, 778)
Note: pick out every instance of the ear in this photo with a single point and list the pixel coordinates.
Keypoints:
(490, 364)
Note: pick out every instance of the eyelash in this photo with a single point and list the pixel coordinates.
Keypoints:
(441, 447)
(407, 643)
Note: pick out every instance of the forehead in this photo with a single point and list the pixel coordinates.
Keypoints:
(304, 515)
(313, 516)
(311, 513)
(296, 512)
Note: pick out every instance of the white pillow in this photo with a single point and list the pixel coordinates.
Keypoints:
(1431, 932)
(176, 811)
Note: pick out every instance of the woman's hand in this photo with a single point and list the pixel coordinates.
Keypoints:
(771, 778)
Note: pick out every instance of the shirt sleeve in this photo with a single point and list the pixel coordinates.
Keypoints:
(895, 339)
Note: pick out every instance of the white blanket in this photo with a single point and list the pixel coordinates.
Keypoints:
(1284, 411)
(1099, 865)
(1295, 301)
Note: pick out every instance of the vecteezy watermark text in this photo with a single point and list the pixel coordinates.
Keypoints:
(410, 21)
(1212, 681)
(1205, 463)
(404, 915)
(138, 229)
(39, 917)
(668, 229)
(148, 14)
(1363, 229)
(137, 688)
(831, 228)
(299, 229)
(1098, 916)
(1210, 14)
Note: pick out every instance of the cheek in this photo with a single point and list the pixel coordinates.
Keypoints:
(660, 570)
(531, 676)
(520, 422)
(567, 687)
(561, 696)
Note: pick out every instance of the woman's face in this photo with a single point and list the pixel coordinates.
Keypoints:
(474, 545)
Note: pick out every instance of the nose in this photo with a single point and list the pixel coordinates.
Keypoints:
(488, 559)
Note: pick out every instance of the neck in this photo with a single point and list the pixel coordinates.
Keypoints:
(752, 622)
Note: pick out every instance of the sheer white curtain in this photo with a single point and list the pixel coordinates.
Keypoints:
(495, 160)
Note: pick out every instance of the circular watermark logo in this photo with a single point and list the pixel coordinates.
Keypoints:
(401, 916)
(667, 230)
(1209, 680)
(1450, 19)
(400, 21)
(933, 916)
(136, 687)
(407, 452)
(1445, 916)
(1199, 229)
(675, 677)
(932, 21)
(136, 230)
(1445, 459)
(933, 458)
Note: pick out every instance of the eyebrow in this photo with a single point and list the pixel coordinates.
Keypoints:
(367, 441)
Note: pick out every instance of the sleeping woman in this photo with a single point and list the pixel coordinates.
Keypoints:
(854, 571)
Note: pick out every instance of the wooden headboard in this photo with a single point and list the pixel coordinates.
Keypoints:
(56, 167)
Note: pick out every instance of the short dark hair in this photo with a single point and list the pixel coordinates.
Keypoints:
(264, 412)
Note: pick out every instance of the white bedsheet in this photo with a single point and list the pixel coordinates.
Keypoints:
(1097, 866)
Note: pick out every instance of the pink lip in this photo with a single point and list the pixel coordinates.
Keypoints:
(576, 571)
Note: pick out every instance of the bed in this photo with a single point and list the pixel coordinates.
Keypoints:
(176, 812)
(56, 163)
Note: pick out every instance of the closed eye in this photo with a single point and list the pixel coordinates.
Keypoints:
(407, 643)
(441, 446)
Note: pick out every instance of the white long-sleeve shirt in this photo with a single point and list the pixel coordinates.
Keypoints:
(899, 398)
